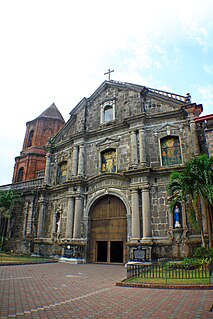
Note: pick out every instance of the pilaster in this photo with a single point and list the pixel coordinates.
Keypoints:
(81, 160)
(42, 209)
(194, 137)
(146, 213)
(78, 217)
(47, 169)
(142, 144)
(75, 160)
(70, 215)
(135, 215)
(134, 153)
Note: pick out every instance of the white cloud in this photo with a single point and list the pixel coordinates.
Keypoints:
(205, 93)
(196, 20)
(208, 68)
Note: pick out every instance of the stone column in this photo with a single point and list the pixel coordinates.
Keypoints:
(135, 215)
(70, 214)
(42, 208)
(25, 209)
(29, 218)
(54, 222)
(113, 109)
(102, 114)
(47, 169)
(204, 216)
(171, 219)
(75, 160)
(129, 227)
(183, 209)
(81, 160)
(69, 164)
(134, 153)
(194, 137)
(78, 217)
(146, 213)
(142, 143)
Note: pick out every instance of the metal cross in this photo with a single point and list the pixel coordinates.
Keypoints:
(109, 71)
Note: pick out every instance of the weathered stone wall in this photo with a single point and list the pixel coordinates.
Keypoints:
(141, 121)
(127, 103)
(209, 138)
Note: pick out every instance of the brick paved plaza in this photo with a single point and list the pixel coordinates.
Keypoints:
(88, 291)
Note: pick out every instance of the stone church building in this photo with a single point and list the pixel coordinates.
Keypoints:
(96, 190)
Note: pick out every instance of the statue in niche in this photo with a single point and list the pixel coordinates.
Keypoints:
(177, 216)
(58, 220)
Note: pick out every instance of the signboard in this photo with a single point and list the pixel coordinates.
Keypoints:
(68, 252)
(139, 254)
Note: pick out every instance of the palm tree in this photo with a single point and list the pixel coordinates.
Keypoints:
(7, 203)
(194, 187)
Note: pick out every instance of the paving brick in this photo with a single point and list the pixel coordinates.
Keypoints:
(89, 291)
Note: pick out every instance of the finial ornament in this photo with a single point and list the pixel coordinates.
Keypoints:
(188, 98)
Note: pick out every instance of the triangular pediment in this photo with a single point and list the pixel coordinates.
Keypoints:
(107, 142)
(128, 100)
(168, 128)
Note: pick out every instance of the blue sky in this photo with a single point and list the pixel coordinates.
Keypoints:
(58, 50)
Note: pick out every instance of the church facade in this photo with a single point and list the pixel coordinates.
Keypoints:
(103, 195)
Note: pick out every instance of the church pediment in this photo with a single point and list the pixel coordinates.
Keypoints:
(168, 129)
(108, 142)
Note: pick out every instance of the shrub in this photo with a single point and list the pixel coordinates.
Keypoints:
(204, 254)
(186, 263)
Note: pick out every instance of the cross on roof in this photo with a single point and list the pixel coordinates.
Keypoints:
(109, 71)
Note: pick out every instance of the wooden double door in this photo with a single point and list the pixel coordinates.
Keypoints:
(108, 231)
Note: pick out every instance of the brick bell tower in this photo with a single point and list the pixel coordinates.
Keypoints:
(38, 131)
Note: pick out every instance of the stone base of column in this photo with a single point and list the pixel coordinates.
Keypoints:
(147, 241)
(135, 240)
(66, 240)
(133, 166)
(77, 240)
(143, 164)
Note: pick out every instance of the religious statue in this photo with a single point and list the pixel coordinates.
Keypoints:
(177, 217)
(58, 220)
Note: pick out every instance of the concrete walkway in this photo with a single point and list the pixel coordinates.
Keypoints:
(88, 291)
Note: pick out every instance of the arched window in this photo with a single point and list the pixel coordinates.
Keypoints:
(20, 174)
(108, 113)
(30, 139)
(62, 172)
(108, 161)
(170, 151)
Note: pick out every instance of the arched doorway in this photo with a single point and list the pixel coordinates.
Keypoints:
(108, 231)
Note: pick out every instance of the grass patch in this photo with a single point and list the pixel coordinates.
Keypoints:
(192, 281)
(15, 259)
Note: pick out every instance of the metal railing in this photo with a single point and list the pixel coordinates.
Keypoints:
(26, 185)
(166, 272)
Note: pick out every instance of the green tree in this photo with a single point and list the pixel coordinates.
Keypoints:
(8, 199)
(194, 187)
